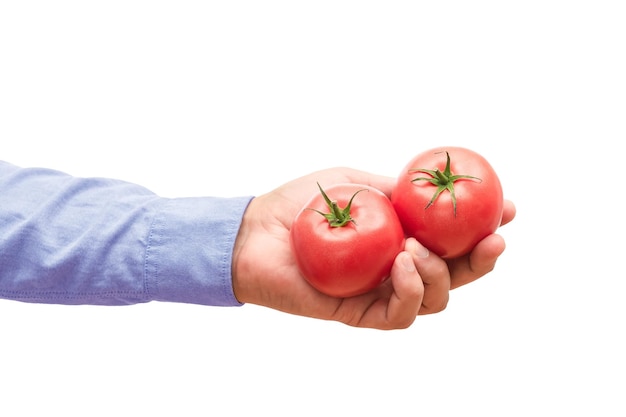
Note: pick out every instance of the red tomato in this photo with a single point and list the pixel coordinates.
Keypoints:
(448, 198)
(355, 254)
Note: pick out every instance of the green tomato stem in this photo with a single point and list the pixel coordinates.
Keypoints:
(443, 181)
(337, 217)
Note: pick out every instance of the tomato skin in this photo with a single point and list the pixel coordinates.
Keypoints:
(479, 204)
(353, 259)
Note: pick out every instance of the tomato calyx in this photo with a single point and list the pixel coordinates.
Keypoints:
(442, 180)
(337, 217)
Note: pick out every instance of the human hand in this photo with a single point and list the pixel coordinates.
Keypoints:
(265, 271)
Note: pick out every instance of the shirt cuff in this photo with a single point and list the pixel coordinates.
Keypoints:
(190, 250)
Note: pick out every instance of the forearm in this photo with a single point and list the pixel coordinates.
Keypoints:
(71, 240)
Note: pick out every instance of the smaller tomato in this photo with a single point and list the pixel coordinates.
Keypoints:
(448, 198)
(346, 246)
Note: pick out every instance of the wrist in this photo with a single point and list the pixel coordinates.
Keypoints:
(240, 268)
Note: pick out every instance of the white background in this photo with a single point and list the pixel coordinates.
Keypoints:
(193, 98)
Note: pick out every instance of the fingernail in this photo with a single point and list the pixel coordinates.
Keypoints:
(421, 251)
(407, 262)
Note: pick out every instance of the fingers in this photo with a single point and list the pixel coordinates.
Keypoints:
(395, 304)
(435, 277)
(381, 182)
(479, 262)
(508, 212)
(483, 257)
(439, 276)
(384, 184)
(420, 284)
(406, 299)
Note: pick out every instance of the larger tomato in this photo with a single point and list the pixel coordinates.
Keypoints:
(345, 239)
(448, 198)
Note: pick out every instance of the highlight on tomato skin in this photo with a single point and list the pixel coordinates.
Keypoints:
(449, 198)
(356, 257)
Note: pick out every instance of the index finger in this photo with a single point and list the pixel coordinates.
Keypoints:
(508, 212)
(381, 182)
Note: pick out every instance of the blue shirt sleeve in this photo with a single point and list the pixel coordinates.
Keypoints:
(70, 240)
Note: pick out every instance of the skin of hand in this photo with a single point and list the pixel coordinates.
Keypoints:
(265, 272)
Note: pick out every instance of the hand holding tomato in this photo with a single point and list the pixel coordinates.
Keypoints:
(265, 271)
